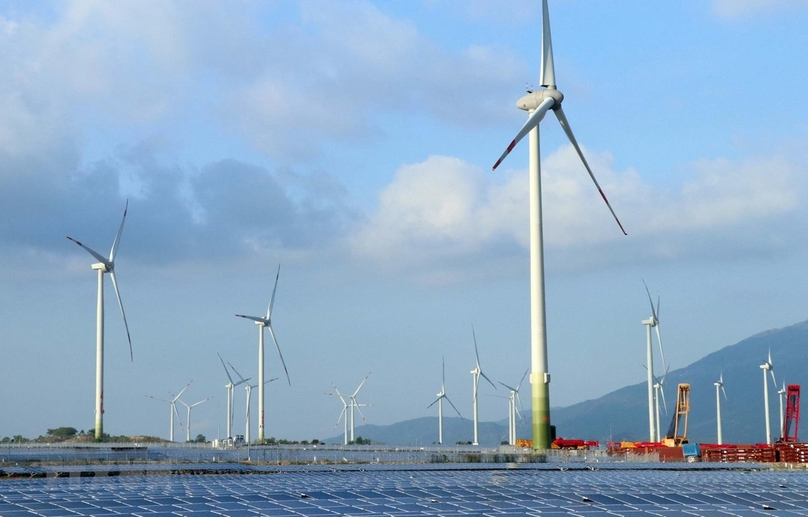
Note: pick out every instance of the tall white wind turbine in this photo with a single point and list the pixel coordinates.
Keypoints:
(537, 103)
(475, 374)
(105, 265)
(442, 395)
(265, 322)
(513, 411)
(652, 322)
(343, 414)
(781, 394)
(188, 418)
(172, 407)
(230, 386)
(719, 385)
(767, 367)
(659, 392)
(247, 418)
(357, 405)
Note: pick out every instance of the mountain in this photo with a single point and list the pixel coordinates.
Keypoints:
(623, 414)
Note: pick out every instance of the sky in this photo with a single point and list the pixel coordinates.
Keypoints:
(351, 143)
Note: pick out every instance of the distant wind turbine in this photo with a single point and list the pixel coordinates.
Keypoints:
(442, 395)
(343, 414)
(105, 265)
(249, 389)
(719, 385)
(513, 411)
(188, 420)
(781, 392)
(652, 322)
(768, 366)
(475, 374)
(230, 386)
(265, 322)
(537, 103)
(172, 402)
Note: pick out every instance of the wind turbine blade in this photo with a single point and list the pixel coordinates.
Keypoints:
(774, 381)
(272, 300)
(532, 121)
(664, 402)
(118, 236)
(360, 385)
(489, 380)
(476, 353)
(724, 391)
(547, 68)
(95, 254)
(435, 401)
(182, 391)
(359, 408)
(234, 369)
(120, 304)
(659, 340)
(278, 348)
(518, 398)
(650, 301)
(453, 407)
(519, 386)
(568, 130)
(510, 388)
(253, 318)
(225, 368)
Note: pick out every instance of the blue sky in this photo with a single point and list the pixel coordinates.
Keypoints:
(352, 142)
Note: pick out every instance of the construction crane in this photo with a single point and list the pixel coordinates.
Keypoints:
(677, 432)
(791, 420)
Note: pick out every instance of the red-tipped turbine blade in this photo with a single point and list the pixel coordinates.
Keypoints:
(532, 121)
(568, 130)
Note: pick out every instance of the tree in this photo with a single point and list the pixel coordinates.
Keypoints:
(63, 433)
(200, 438)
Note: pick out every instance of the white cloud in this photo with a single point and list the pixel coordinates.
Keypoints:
(444, 210)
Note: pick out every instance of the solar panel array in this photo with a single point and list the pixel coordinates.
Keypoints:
(415, 491)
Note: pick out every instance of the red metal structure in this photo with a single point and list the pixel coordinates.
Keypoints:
(791, 420)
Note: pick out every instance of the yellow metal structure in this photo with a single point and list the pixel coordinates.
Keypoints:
(677, 433)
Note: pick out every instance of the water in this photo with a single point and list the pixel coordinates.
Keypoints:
(451, 490)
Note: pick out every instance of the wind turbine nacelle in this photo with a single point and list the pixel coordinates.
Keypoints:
(532, 100)
(106, 268)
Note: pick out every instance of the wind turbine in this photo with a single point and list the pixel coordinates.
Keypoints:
(355, 404)
(512, 409)
(343, 414)
(265, 322)
(442, 395)
(659, 390)
(105, 265)
(172, 409)
(537, 103)
(719, 385)
(780, 393)
(768, 366)
(475, 374)
(230, 386)
(249, 389)
(652, 322)
(190, 407)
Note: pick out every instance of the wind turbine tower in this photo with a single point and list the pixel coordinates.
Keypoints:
(513, 411)
(230, 386)
(475, 375)
(105, 265)
(265, 322)
(537, 104)
(652, 322)
(442, 395)
(767, 367)
(188, 420)
(172, 407)
(719, 385)
(247, 418)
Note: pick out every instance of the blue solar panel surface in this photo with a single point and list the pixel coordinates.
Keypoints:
(415, 490)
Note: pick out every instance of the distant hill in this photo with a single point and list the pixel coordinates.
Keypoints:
(623, 414)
